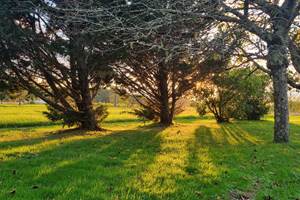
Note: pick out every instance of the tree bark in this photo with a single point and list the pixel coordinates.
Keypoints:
(278, 63)
(165, 116)
(281, 111)
(88, 120)
(222, 119)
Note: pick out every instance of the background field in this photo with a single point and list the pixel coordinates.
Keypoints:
(194, 159)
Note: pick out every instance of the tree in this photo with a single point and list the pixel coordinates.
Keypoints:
(272, 28)
(239, 94)
(280, 19)
(52, 59)
(159, 80)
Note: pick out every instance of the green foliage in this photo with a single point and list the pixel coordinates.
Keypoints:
(70, 118)
(252, 109)
(201, 109)
(240, 94)
(12, 92)
(101, 113)
(145, 114)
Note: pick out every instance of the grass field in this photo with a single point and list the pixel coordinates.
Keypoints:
(194, 159)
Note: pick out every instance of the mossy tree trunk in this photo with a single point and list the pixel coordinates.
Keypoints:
(277, 62)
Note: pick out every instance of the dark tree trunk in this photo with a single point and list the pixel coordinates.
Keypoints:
(165, 115)
(278, 63)
(89, 121)
(221, 119)
(85, 105)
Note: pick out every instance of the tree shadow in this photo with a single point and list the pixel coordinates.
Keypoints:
(129, 120)
(232, 161)
(213, 162)
(95, 167)
(264, 130)
(15, 125)
(186, 119)
(45, 136)
(191, 166)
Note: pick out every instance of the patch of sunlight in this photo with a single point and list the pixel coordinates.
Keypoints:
(208, 170)
(33, 149)
(48, 169)
(232, 134)
(212, 124)
(123, 126)
(244, 136)
(18, 134)
(202, 164)
(218, 136)
(159, 178)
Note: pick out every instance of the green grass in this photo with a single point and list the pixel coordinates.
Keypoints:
(194, 159)
(15, 116)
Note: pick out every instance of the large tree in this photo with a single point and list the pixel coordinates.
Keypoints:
(272, 24)
(160, 69)
(52, 59)
(159, 81)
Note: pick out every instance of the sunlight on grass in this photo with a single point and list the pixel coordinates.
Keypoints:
(228, 133)
(48, 169)
(33, 149)
(160, 177)
(194, 159)
(208, 170)
(172, 163)
(30, 133)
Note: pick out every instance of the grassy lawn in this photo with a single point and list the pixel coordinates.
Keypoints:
(194, 159)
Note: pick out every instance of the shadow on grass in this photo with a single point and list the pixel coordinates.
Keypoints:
(95, 167)
(214, 153)
(28, 124)
(129, 120)
(48, 135)
(220, 162)
(186, 119)
(224, 161)
(232, 161)
(192, 118)
(49, 123)
(193, 165)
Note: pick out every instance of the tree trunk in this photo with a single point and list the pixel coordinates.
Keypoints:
(278, 63)
(88, 120)
(165, 116)
(221, 119)
(281, 107)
